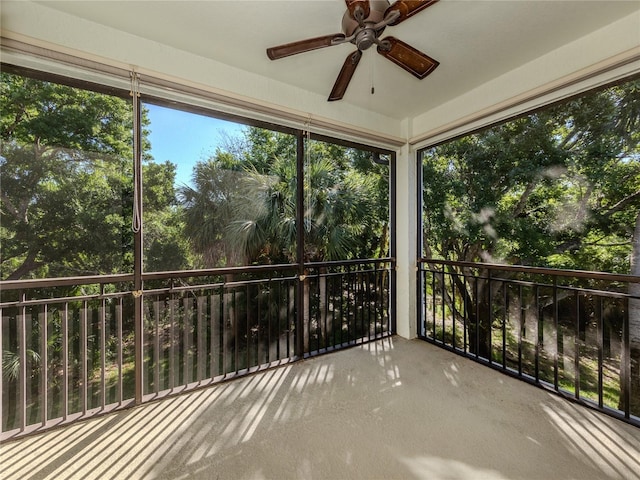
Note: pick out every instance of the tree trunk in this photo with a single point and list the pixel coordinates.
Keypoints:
(477, 308)
(29, 265)
(480, 327)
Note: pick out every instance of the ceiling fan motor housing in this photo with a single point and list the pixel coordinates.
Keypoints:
(376, 15)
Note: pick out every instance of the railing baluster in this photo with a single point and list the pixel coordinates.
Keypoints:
(44, 355)
(120, 386)
(505, 317)
(314, 299)
(357, 304)
(577, 348)
(249, 327)
(490, 319)
(156, 344)
(279, 331)
(328, 341)
(350, 317)
(443, 297)
(202, 339)
(22, 375)
(373, 288)
(84, 318)
(538, 337)
(236, 335)
(291, 314)
(187, 306)
(360, 303)
(465, 318)
(214, 319)
(367, 277)
(259, 325)
(103, 347)
(521, 328)
(65, 361)
(379, 303)
(626, 367)
(342, 307)
(477, 321)
(555, 329)
(433, 305)
(454, 309)
(226, 326)
(600, 335)
(269, 316)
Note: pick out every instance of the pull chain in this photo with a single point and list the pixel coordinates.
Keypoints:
(136, 223)
(308, 209)
(372, 73)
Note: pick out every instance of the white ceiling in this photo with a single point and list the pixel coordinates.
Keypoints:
(474, 40)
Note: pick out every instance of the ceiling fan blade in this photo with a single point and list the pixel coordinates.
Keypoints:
(407, 8)
(301, 46)
(344, 77)
(355, 5)
(413, 61)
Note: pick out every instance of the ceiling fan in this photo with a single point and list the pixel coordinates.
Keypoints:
(362, 24)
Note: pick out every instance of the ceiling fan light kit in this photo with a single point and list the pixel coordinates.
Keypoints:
(362, 24)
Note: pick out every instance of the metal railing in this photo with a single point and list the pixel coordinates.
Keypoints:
(69, 346)
(568, 331)
(348, 303)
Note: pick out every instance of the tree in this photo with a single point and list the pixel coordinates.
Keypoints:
(242, 207)
(67, 180)
(557, 188)
(65, 193)
(166, 247)
(208, 208)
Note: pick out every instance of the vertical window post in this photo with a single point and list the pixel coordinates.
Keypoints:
(137, 238)
(300, 144)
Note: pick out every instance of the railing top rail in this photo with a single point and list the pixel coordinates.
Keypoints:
(65, 281)
(217, 271)
(613, 277)
(129, 277)
(358, 261)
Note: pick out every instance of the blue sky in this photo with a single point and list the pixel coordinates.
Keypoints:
(185, 138)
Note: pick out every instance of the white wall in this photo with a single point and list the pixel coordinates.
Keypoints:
(406, 249)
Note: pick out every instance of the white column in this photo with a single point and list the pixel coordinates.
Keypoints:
(406, 214)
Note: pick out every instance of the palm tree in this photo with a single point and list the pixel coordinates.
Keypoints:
(209, 208)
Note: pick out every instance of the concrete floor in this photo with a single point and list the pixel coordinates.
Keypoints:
(391, 409)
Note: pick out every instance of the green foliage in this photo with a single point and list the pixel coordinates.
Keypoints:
(67, 193)
(242, 207)
(11, 363)
(560, 187)
(67, 183)
(66, 180)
